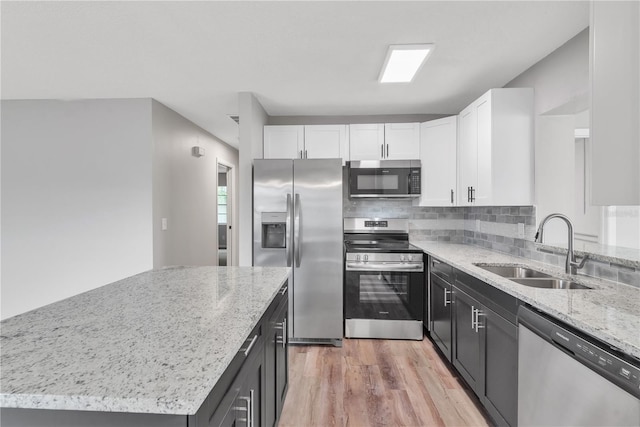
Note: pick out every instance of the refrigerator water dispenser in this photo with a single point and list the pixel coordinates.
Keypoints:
(274, 230)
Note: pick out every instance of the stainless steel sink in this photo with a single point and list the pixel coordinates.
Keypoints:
(530, 277)
(549, 283)
(512, 271)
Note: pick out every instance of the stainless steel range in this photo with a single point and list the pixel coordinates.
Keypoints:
(384, 280)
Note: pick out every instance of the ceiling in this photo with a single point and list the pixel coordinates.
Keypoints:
(300, 58)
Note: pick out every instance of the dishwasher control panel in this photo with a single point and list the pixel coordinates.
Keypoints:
(608, 362)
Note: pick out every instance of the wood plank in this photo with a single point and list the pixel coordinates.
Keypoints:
(376, 383)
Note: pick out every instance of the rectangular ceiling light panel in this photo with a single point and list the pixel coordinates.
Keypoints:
(403, 62)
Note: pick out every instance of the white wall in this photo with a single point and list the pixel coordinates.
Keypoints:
(185, 190)
(252, 120)
(561, 79)
(76, 198)
(561, 85)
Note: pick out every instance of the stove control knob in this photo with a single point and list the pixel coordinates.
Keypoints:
(402, 258)
(366, 258)
(358, 258)
(410, 257)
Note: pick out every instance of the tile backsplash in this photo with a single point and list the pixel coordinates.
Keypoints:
(507, 229)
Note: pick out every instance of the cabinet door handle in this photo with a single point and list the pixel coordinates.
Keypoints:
(387, 151)
(283, 327)
(434, 262)
(473, 317)
(246, 408)
(250, 421)
(473, 194)
(478, 314)
(284, 290)
(382, 151)
(301, 154)
(305, 154)
(446, 302)
(253, 341)
(284, 333)
(451, 196)
(469, 194)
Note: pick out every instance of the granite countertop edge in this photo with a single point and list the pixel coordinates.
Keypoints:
(536, 297)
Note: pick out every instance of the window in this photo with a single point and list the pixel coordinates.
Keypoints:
(222, 205)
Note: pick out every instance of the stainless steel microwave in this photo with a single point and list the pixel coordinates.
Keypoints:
(384, 178)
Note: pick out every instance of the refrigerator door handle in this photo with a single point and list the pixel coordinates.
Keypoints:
(296, 230)
(287, 235)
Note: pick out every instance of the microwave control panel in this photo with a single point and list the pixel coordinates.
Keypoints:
(414, 183)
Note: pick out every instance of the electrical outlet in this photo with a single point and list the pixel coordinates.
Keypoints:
(164, 224)
(521, 230)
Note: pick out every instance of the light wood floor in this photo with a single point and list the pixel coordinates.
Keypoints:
(375, 383)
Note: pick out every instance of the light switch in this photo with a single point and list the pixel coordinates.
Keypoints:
(164, 224)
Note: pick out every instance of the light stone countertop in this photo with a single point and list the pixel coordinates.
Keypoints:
(627, 257)
(156, 342)
(610, 311)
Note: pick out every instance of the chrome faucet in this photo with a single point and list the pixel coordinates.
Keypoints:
(571, 266)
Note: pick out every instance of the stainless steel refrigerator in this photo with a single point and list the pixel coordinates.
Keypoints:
(297, 222)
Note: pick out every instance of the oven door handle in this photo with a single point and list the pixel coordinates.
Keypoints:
(372, 266)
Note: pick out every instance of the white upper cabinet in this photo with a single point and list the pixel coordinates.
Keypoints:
(402, 141)
(467, 154)
(438, 142)
(495, 149)
(283, 142)
(366, 141)
(615, 102)
(391, 141)
(326, 142)
(306, 142)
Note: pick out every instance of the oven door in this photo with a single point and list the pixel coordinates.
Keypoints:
(385, 293)
(376, 182)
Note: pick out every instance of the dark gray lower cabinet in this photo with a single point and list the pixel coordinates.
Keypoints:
(243, 405)
(466, 347)
(276, 363)
(485, 352)
(440, 314)
(499, 354)
(473, 324)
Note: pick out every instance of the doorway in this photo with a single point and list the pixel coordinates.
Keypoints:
(224, 212)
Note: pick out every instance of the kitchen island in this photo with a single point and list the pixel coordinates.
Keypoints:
(156, 343)
(608, 311)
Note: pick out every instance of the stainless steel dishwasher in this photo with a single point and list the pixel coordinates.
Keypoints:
(568, 379)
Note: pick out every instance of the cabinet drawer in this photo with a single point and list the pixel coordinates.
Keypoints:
(502, 303)
(441, 269)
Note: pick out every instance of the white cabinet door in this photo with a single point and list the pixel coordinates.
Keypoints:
(366, 141)
(615, 102)
(402, 141)
(481, 192)
(495, 149)
(283, 142)
(438, 142)
(326, 142)
(467, 154)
